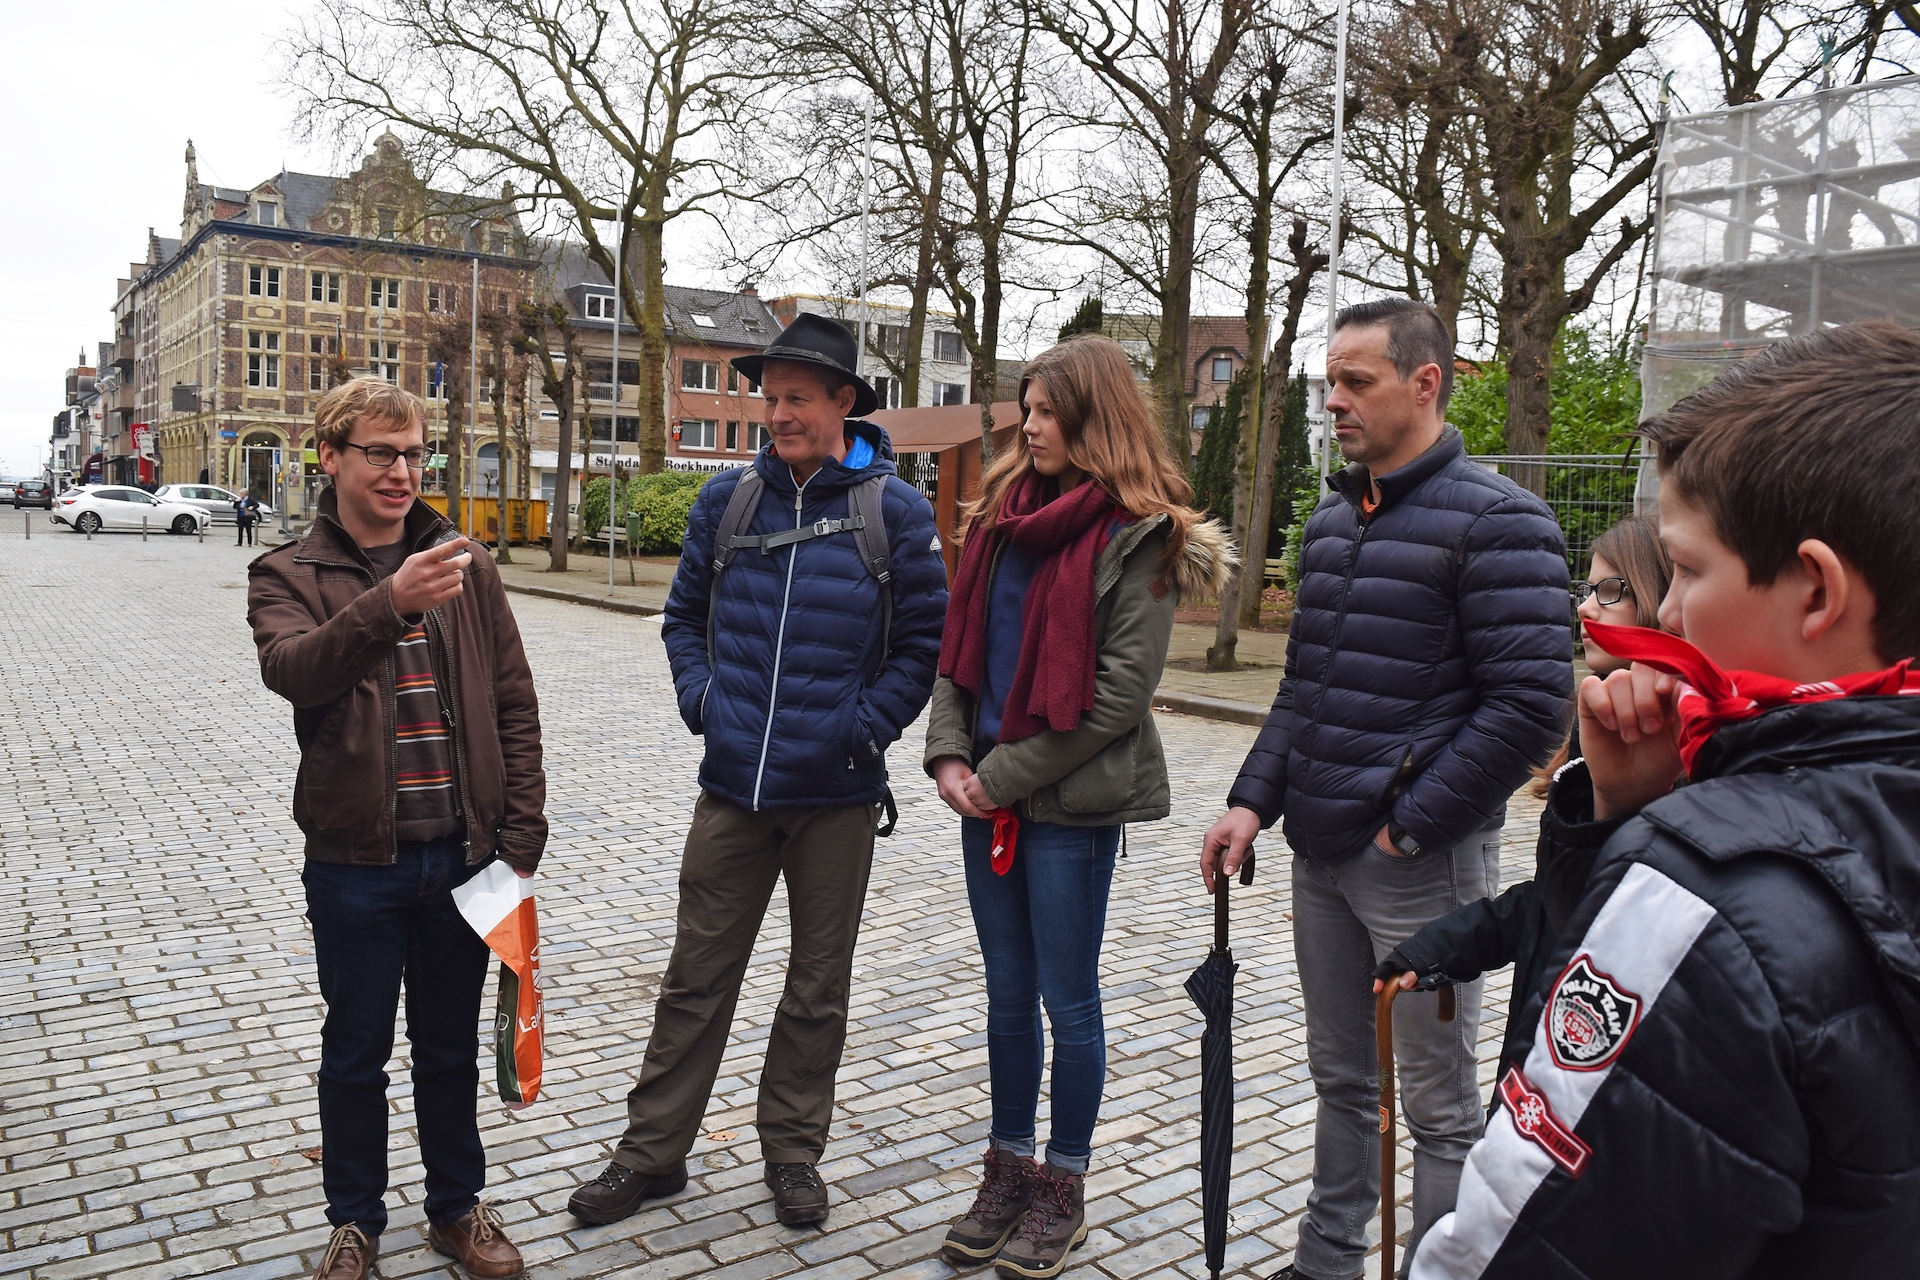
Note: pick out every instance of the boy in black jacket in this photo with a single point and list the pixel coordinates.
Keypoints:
(1724, 1074)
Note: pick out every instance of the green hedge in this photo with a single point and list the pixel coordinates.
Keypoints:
(662, 501)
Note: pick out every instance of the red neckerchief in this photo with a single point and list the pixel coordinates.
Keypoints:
(1710, 697)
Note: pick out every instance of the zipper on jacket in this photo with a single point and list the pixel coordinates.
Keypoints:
(447, 695)
(779, 643)
(1340, 624)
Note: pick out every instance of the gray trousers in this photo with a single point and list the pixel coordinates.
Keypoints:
(734, 858)
(1346, 917)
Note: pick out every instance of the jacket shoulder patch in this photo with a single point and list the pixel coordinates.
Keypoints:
(1590, 1017)
(1533, 1116)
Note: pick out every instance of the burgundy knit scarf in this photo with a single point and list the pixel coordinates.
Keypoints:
(1070, 531)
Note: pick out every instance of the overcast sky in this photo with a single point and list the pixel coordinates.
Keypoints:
(99, 101)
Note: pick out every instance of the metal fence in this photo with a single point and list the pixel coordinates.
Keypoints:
(1589, 493)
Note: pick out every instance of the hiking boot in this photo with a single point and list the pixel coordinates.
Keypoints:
(619, 1191)
(1055, 1224)
(477, 1242)
(1003, 1197)
(799, 1197)
(349, 1255)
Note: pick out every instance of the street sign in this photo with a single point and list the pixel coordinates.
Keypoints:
(228, 435)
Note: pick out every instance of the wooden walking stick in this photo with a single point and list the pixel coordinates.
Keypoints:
(1383, 1046)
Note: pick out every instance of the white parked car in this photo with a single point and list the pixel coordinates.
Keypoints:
(212, 499)
(109, 506)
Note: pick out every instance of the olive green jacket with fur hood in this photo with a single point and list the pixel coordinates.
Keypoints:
(1110, 767)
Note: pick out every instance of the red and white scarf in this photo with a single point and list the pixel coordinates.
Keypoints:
(1710, 697)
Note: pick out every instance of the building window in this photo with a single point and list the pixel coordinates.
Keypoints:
(950, 393)
(389, 223)
(266, 214)
(443, 297)
(500, 301)
(700, 321)
(263, 282)
(698, 433)
(733, 383)
(946, 346)
(600, 378)
(324, 286)
(757, 436)
(1223, 369)
(699, 375)
(263, 360)
(888, 390)
(629, 429)
(887, 339)
(318, 349)
(599, 306)
(497, 242)
(733, 436)
(386, 360)
(383, 293)
(436, 381)
(1201, 414)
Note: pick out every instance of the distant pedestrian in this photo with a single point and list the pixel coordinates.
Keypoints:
(1429, 668)
(803, 627)
(420, 763)
(246, 514)
(1041, 738)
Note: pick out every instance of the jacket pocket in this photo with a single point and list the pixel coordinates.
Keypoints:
(1106, 782)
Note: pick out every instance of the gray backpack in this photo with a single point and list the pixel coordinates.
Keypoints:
(867, 524)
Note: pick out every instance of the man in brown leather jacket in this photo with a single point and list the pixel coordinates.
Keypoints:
(419, 762)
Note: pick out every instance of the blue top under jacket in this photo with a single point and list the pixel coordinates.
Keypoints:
(1430, 662)
(802, 706)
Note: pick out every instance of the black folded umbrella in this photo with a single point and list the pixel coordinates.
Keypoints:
(1211, 986)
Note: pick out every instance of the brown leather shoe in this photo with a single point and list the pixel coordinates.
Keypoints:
(478, 1244)
(349, 1255)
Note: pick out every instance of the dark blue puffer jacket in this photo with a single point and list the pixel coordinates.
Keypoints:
(795, 716)
(1430, 662)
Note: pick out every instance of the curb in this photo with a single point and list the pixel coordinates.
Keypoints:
(576, 597)
(1195, 704)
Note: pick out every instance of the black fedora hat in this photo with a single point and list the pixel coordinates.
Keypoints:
(817, 340)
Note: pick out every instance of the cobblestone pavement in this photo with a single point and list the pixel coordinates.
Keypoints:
(161, 1023)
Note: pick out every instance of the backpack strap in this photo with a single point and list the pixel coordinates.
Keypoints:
(741, 504)
(870, 537)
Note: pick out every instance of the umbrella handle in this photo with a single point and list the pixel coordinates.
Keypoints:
(1220, 901)
(1383, 1045)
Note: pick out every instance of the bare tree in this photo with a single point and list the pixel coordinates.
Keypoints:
(1771, 48)
(450, 345)
(630, 112)
(540, 327)
(496, 327)
(1158, 67)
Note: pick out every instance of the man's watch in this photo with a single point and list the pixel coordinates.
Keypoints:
(1402, 840)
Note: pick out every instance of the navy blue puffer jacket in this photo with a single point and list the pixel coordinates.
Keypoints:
(795, 715)
(1429, 666)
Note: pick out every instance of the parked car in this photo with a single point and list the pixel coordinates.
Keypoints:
(212, 499)
(7, 485)
(33, 493)
(104, 506)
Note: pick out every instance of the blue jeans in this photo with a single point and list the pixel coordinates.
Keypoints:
(1040, 929)
(374, 927)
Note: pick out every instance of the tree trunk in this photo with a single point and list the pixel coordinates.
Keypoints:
(652, 313)
(562, 491)
(500, 552)
(1253, 446)
(1529, 391)
(1176, 303)
(456, 439)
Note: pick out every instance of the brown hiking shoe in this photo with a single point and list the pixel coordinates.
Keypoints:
(1003, 1197)
(349, 1255)
(799, 1197)
(1056, 1223)
(478, 1244)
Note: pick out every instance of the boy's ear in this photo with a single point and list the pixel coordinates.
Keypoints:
(1839, 606)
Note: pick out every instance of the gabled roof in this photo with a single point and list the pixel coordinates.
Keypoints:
(739, 319)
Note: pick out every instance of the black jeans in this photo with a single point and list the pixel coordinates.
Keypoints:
(243, 533)
(372, 928)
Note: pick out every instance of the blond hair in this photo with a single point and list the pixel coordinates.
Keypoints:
(1110, 434)
(365, 397)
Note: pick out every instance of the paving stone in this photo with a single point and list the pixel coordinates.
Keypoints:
(166, 1025)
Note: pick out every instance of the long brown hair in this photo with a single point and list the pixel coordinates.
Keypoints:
(1110, 435)
(1634, 549)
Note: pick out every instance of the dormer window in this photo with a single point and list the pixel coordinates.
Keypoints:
(266, 213)
(599, 306)
(700, 321)
(389, 223)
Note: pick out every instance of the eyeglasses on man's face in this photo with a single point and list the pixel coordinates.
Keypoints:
(384, 456)
(1605, 592)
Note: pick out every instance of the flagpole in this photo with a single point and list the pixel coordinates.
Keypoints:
(613, 421)
(1333, 240)
(473, 390)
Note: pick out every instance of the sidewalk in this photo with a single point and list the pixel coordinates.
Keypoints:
(1186, 688)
